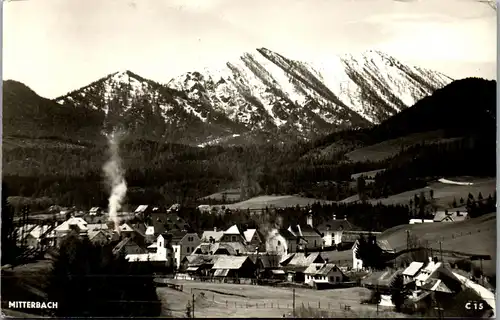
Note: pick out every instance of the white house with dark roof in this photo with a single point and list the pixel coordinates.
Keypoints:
(325, 273)
(333, 229)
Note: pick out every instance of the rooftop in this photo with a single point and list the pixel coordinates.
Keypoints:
(230, 262)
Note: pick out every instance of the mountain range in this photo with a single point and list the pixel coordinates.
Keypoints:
(261, 94)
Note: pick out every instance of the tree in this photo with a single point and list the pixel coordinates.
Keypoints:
(78, 271)
(361, 188)
(369, 252)
(397, 292)
(8, 245)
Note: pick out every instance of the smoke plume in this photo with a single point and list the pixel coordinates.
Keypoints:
(115, 177)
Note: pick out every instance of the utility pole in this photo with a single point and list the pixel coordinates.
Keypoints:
(407, 239)
(293, 303)
(441, 251)
(193, 306)
(482, 276)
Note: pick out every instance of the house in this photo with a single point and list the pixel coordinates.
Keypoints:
(417, 221)
(349, 238)
(142, 210)
(128, 246)
(126, 230)
(163, 222)
(333, 229)
(95, 211)
(385, 247)
(323, 273)
(295, 264)
(254, 240)
(234, 267)
(212, 236)
(221, 248)
(34, 238)
(381, 280)
(182, 243)
(268, 265)
(100, 236)
(435, 270)
(153, 258)
(233, 234)
(200, 265)
(313, 238)
(410, 273)
(451, 216)
(282, 241)
(75, 224)
(97, 226)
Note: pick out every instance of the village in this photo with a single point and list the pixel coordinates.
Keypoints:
(318, 257)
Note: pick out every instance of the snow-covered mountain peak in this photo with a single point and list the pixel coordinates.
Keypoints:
(266, 91)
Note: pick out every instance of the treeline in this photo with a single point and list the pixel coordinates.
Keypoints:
(370, 217)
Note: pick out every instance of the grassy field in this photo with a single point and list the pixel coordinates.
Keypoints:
(445, 193)
(274, 202)
(230, 195)
(389, 148)
(474, 236)
(250, 301)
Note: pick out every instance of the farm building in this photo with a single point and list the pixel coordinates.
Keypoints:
(451, 216)
(411, 272)
(323, 273)
(234, 267)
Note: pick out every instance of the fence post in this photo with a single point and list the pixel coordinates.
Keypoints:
(308, 305)
(319, 304)
(226, 303)
(271, 305)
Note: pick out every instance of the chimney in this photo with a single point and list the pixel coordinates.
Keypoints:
(215, 229)
(310, 220)
(334, 217)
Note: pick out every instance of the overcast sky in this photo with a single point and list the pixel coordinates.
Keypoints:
(55, 46)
